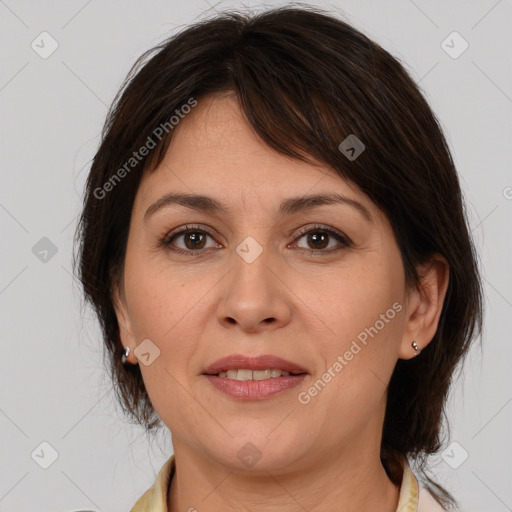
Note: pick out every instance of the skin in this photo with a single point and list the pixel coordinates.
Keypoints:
(323, 455)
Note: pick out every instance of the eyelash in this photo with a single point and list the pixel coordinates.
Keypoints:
(340, 237)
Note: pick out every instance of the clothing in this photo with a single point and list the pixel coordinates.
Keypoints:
(412, 498)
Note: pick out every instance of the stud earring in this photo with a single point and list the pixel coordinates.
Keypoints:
(126, 354)
(415, 347)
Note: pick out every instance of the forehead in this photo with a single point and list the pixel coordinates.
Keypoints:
(217, 135)
(215, 151)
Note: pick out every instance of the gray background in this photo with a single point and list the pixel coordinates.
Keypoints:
(54, 388)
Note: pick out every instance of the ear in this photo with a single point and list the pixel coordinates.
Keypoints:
(424, 305)
(123, 320)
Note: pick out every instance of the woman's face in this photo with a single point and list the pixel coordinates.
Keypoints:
(269, 278)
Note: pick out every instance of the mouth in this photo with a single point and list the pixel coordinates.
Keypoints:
(247, 374)
(241, 367)
(254, 378)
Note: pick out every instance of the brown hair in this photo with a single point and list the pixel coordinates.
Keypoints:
(305, 81)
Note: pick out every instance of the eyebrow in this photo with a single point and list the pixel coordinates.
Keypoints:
(289, 206)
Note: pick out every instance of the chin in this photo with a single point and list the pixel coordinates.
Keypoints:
(256, 453)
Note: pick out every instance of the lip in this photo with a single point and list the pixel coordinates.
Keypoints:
(262, 362)
(254, 389)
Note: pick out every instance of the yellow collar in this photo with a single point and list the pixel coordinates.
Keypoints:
(409, 491)
(155, 498)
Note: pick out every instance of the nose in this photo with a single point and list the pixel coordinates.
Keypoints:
(254, 295)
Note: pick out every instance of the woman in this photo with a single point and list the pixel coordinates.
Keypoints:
(274, 240)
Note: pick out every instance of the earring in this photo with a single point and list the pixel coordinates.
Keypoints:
(415, 347)
(126, 354)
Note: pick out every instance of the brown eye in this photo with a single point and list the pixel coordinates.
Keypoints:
(318, 239)
(194, 240)
(187, 240)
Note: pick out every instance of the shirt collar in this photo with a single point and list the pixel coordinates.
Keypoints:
(409, 491)
(155, 498)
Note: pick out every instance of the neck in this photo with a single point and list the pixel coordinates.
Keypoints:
(352, 480)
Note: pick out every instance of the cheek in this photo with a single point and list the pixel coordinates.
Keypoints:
(158, 311)
(166, 307)
(157, 297)
(364, 314)
(350, 301)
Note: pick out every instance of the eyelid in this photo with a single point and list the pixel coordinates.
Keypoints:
(342, 237)
(186, 228)
(320, 227)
